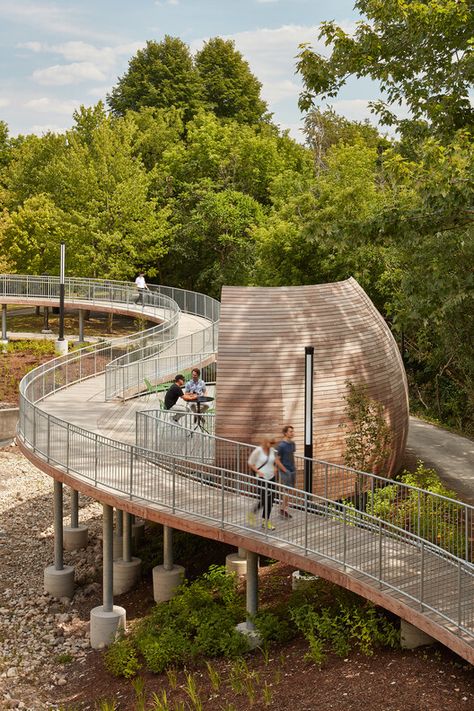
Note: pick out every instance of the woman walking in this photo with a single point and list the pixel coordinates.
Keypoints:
(262, 463)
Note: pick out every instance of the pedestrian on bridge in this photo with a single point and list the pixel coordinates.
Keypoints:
(141, 285)
(262, 463)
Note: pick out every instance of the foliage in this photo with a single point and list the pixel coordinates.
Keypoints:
(438, 518)
(161, 75)
(331, 618)
(229, 87)
(368, 434)
(420, 53)
(40, 348)
(121, 659)
(198, 622)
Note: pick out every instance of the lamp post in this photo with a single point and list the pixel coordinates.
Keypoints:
(62, 267)
(61, 343)
(308, 418)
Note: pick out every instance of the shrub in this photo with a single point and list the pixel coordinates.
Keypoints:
(121, 659)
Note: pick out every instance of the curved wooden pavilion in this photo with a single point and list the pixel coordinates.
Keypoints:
(262, 336)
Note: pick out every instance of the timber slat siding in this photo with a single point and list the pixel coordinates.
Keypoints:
(260, 377)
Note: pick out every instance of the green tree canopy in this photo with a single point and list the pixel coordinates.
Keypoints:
(162, 75)
(420, 52)
(230, 88)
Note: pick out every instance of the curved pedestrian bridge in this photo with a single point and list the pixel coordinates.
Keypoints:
(407, 550)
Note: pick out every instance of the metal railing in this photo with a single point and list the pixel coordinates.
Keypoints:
(125, 376)
(407, 540)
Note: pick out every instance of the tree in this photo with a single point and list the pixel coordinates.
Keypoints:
(420, 52)
(230, 88)
(161, 75)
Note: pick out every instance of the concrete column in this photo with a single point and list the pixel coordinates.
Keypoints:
(46, 328)
(247, 628)
(127, 569)
(167, 577)
(37, 310)
(4, 323)
(75, 536)
(252, 587)
(107, 620)
(118, 535)
(411, 637)
(81, 326)
(59, 578)
(237, 563)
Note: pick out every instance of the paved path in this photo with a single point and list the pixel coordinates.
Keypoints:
(450, 454)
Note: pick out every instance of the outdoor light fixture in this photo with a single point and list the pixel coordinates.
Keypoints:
(308, 418)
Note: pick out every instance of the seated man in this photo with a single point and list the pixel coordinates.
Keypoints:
(197, 387)
(174, 396)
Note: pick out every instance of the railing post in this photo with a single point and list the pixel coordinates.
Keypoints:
(131, 471)
(422, 574)
(173, 471)
(344, 548)
(67, 446)
(306, 523)
(96, 459)
(48, 439)
(222, 498)
(380, 554)
(459, 592)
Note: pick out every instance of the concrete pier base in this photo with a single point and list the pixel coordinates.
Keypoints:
(300, 579)
(106, 626)
(126, 575)
(75, 538)
(237, 563)
(250, 633)
(59, 583)
(165, 582)
(411, 637)
(61, 347)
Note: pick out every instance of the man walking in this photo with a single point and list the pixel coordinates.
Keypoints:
(286, 465)
(141, 285)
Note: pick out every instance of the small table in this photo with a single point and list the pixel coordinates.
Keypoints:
(201, 400)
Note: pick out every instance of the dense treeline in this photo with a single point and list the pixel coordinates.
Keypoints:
(188, 178)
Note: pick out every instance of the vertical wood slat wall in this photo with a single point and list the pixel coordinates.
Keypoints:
(263, 332)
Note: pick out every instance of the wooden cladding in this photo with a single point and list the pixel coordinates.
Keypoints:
(260, 378)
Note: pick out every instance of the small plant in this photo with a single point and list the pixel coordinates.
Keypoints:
(64, 658)
(214, 676)
(267, 694)
(121, 659)
(160, 704)
(172, 676)
(107, 706)
(139, 689)
(191, 690)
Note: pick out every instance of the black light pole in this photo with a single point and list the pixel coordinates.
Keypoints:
(308, 418)
(62, 268)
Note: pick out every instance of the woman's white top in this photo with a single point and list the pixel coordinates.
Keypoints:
(265, 463)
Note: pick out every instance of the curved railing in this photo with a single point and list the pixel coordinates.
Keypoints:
(125, 376)
(364, 535)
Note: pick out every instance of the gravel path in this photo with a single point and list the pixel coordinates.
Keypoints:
(39, 635)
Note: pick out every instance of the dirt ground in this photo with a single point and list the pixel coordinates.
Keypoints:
(427, 679)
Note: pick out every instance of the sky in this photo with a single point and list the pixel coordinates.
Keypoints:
(55, 56)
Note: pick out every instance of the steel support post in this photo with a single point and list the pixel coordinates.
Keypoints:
(252, 587)
(167, 548)
(127, 537)
(46, 328)
(119, 522)
(81, 326)
(4, 322)
(58, 525)
(74, 508)
(108, 557)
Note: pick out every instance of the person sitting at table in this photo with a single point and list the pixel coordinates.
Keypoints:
(174, 397)
(198, 387)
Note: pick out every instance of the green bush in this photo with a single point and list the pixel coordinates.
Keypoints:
(121, 659)
(34, 347)
(198, 622)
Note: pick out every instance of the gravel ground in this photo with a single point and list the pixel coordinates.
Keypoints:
(40, 635)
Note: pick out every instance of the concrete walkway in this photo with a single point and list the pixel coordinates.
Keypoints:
(451, 455)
